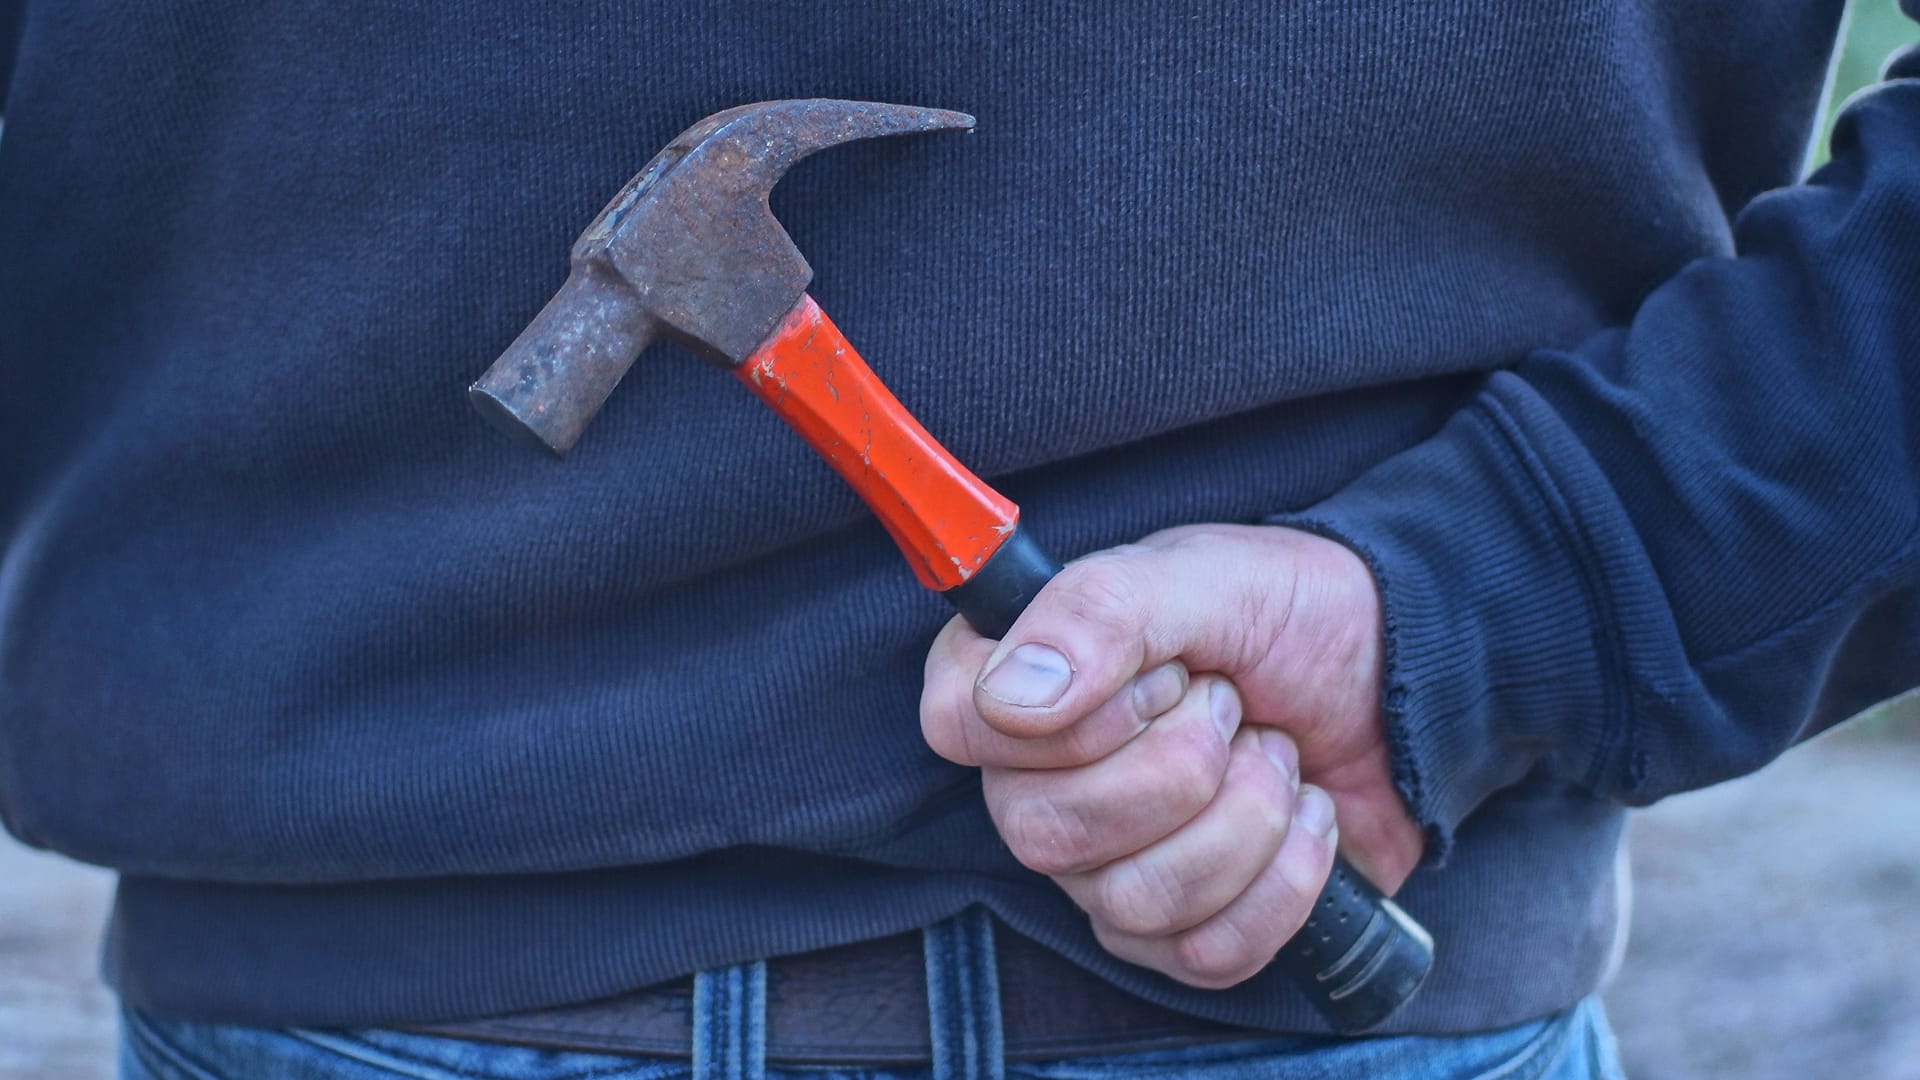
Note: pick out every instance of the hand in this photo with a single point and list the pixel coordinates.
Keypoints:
(1170, 806)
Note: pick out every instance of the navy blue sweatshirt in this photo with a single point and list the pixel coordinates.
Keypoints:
(383, 718)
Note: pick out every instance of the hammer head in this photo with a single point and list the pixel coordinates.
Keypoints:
(688, 251)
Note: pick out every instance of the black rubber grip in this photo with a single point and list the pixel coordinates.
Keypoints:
(1359, 957)
(1001, 589)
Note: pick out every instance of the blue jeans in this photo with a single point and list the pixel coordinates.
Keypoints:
(729, 1027)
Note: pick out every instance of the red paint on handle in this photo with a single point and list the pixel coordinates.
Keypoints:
(946, 520)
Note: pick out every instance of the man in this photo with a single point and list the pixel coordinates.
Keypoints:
(1453, 470)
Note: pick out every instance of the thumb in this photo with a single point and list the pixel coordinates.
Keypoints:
(1097, 624)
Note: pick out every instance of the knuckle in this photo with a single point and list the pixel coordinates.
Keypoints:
(1127, 947)
(1084, 744)
(939, 735)
(1304, 864)
(1194, 766)
(1275, 799)
(1217, 956)
(1140, 898)
(942, 725)
(1048, 838)
(1097, 736)
(1103, 590)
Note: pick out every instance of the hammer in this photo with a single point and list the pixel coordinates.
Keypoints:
(689, 251)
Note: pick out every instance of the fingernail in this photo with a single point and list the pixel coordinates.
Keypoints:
(1031, 676)
(1225, 704)
(1315, 812)
(1281, 752)
(1158, 690)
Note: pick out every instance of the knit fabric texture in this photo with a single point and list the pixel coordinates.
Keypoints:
(384, 718)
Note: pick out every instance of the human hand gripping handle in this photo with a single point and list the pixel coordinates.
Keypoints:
(1358, 957)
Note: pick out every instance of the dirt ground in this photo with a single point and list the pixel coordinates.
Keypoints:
(1776, 929)
(1777, 918)
(56, 1020)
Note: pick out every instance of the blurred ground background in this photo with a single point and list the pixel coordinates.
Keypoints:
(1776, 928)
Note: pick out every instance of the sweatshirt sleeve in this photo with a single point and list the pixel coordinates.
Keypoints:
(1658, 560)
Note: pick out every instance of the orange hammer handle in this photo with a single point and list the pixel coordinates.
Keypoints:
(947, 521)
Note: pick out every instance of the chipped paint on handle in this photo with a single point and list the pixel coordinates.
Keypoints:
(947, 521)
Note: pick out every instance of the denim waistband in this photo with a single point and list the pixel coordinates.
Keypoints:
(963, 1008)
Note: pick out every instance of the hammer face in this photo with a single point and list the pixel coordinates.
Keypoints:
(555, 376)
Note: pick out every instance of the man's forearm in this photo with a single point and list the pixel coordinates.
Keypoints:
(1641, 562)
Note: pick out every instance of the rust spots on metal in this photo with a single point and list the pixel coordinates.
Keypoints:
(686, 251)
(947, 521)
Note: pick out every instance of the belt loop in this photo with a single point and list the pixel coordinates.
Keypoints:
(963, 998)
(730, 1023)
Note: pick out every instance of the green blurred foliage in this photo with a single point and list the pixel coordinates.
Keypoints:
(1875, 29)
(1900, 716)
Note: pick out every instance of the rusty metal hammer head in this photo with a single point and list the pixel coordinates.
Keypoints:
(687, 251)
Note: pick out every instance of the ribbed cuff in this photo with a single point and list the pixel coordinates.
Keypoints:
(1496, 657)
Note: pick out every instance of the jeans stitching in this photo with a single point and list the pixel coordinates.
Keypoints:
(939, 999)
(347, 1046)
(727, 1031)
(352, 1050)
(729, 1028)
(1539, 1053)
(1533, 1059)
(717, 1015)
(152, 1059)
(729, 1017)
(155, 1049)
(701, 1052)
(963, 1017)
(955, 993)
(753, 1033)
(961, 942)
(985, 979)
(360, 1050)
